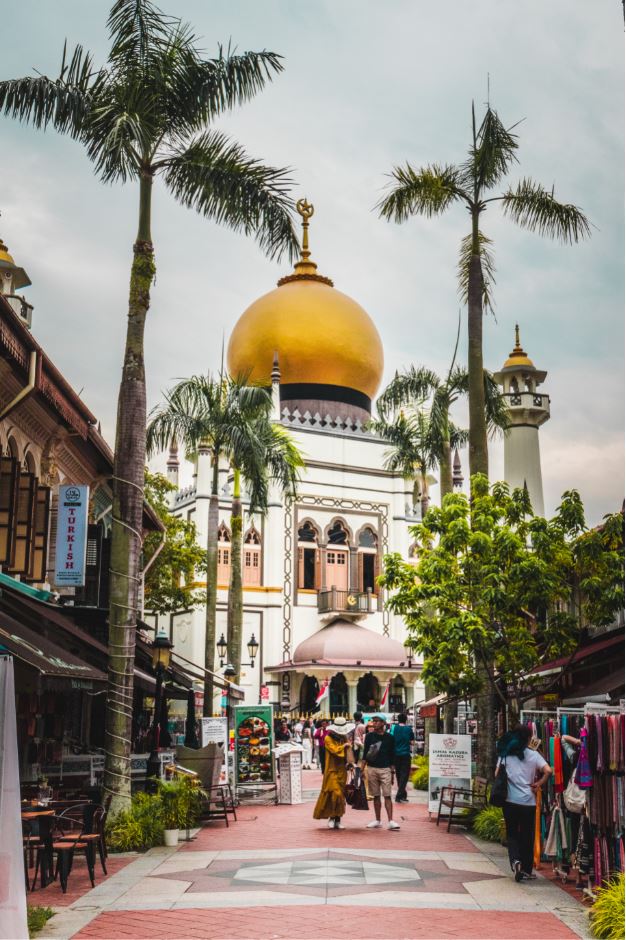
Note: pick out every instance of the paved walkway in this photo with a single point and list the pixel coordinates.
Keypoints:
(277, 873)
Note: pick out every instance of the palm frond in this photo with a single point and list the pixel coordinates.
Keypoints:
(428, 191)
(411, 387)
(62, 103)
(535, 208)
(137, 28)
(487, 264)
(496, 411)
(214, 176)
(459, 437)
(493, 154)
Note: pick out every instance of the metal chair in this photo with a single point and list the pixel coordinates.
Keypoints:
(462, 802)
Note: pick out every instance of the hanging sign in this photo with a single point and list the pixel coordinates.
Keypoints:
(254, 736)
(265, 693)
(449, 765)
(71, 540)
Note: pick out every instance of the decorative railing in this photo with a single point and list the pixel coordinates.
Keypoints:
(528, 399)
(355, 602)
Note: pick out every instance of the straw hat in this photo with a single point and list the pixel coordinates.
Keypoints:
(341, 727)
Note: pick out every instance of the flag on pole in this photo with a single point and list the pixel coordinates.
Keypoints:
(323, 692)
(385, 695)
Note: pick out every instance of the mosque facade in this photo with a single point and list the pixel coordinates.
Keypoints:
(310, 564)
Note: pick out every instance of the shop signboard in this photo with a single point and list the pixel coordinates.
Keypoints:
(265, 693)
(254, 744)
(449, 765)
(71, 539)
(215, 730)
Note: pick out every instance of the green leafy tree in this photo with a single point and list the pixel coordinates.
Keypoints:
(148, 113)
(497, 591)
(174, 561)
(432, 189)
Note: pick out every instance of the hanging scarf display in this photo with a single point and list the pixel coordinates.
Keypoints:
(583, 775)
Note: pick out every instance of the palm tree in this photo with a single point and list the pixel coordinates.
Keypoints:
(412, 453)
(417, 384)
(433, 188)
(274, 459)
(147, 113)
(227, 419)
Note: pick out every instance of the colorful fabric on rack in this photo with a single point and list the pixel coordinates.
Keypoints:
(559, 786)
(583, 769)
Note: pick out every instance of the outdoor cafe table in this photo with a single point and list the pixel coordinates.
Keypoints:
(43, 817)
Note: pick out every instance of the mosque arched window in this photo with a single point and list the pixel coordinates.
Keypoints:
(29, 463)
(368, 560)
(223, 555)
(308, 557)
(337, 556)
(252, 558)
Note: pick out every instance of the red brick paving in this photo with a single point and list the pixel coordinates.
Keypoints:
(329, 923)
(78, 882)
(293, 827)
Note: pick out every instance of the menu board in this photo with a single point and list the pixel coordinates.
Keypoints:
(254, 740)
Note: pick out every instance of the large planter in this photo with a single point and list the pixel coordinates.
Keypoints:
(170, 837)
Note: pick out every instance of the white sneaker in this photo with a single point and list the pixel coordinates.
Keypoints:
(338, 825)
(375, 824)
(331, 823)
(393, 825)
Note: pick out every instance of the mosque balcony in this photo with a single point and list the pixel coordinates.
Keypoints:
(356, 604)
(528, 407)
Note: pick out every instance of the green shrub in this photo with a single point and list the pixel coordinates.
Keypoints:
(419, 773)
(37, 917)
(138, 828)
(489, 824)
(181, 803)
(607, 913)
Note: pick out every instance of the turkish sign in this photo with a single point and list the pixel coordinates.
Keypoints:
(71, 541)
(449, 765)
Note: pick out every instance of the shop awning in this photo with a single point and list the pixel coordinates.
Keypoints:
(603, 687)
(429, 708)
(42, 654)
(583, 653)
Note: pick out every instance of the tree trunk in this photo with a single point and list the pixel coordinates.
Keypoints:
(128, 482)
(478, 453)
(445, 471)
(211, 591)
(486, 734)
(425, 496)
(235, 595)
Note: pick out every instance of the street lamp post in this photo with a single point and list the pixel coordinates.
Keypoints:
(161, 653)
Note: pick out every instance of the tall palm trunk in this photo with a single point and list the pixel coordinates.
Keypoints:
(235, 598)
(425, 497)
(445, 470)
(211, 589)
(128, 469)
(478, 454)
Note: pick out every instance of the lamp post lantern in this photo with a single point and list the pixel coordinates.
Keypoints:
(161, 655)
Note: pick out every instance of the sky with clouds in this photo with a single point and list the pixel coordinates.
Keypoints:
(366, 86)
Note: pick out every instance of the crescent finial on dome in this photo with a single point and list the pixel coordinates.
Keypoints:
(305, 269)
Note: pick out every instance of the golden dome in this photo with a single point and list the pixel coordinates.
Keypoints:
(320, 335)
(5, 256)
(518, 358)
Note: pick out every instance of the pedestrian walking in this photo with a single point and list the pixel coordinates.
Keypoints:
(320, 735)
(283, 734)
(358, 735)
(379, 759)
(307, 746)
(331, 803)
(403, 737)
(527, 772)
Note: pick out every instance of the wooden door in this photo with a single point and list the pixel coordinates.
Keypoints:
(337, 569)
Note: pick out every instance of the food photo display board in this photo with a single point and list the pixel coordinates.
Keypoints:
(254, 743)
(449, 765)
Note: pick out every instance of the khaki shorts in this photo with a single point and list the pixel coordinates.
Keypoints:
(379, 778)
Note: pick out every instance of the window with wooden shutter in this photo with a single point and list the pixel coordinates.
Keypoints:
(40, 535)
(9, 474)
(23, 524)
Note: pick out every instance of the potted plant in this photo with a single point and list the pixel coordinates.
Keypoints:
(170, 811)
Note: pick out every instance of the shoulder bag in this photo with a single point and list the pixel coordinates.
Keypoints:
(500, 786)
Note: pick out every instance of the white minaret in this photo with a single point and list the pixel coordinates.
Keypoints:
(528, 411)
(173, 463)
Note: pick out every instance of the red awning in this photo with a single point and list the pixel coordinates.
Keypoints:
(580, 654)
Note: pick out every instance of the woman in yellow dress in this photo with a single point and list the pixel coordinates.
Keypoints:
(331, 803)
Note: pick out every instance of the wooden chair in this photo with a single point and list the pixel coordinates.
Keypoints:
(30, 844)
(462, 802)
